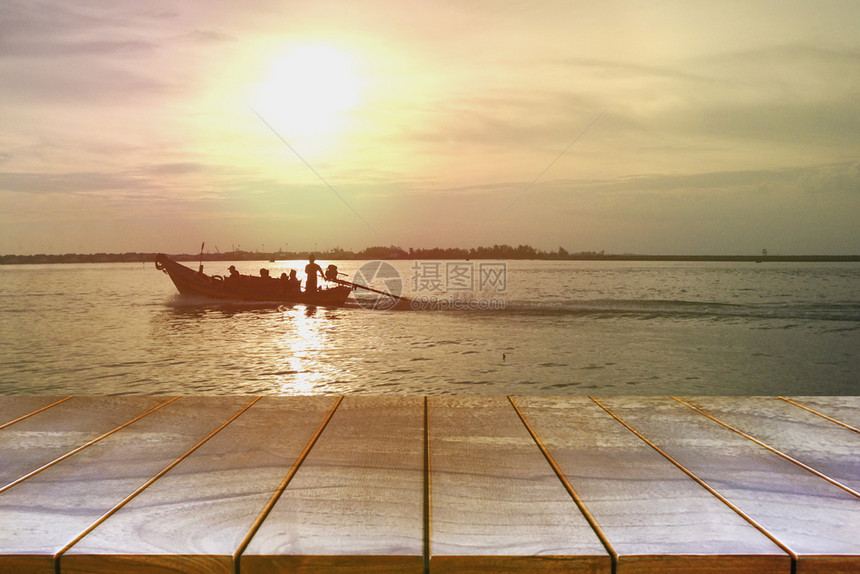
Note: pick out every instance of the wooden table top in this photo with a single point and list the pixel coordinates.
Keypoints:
(438, 484)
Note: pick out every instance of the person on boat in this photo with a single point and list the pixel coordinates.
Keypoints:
(293, 283)
(264, 273)
(312, 269)
(331, 273)
(233, 273)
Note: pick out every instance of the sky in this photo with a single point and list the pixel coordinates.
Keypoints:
(652, 127)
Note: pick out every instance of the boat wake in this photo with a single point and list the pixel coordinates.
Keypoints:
(643, 309)
(667, 309)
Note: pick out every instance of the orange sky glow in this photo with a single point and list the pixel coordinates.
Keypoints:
(689, 127)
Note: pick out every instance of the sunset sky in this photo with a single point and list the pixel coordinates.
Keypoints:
(690, 127)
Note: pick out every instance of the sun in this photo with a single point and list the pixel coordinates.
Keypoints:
(308, 90)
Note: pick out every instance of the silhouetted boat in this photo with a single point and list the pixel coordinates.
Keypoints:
(245, 287)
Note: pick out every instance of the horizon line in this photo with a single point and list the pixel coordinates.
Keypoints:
(522, 252)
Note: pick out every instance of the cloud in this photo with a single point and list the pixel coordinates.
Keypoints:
(173, 168)
(793, 210)
(799, 99)
(786, 94)
(209, 37)
(787, 124)
(35, 30)
(95, 85)
(837, 179)
(72, 49)
(832, 180)
(174, 182)
(792, 64)
(63, 183)
(62, 54)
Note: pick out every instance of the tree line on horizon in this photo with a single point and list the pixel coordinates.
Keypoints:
(497, 252)
(374, 252)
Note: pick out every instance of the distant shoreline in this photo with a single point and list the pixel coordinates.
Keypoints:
(422, 254)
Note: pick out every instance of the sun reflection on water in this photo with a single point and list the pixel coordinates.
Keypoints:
(300, 348)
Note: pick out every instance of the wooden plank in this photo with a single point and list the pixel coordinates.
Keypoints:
(496, 503)
(356, 503)
(13, 407)
(843, 409)
(816, 520)
(812, 440)
(196, 516)
(37, 440)
(45, 513)
(656, 518)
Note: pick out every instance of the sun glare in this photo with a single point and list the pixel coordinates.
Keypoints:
(308, 90)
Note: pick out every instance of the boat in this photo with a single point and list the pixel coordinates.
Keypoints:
(247, 287)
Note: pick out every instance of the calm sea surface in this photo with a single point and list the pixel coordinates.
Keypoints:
(567, 328)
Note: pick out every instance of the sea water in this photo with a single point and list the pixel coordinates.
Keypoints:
(519, 327)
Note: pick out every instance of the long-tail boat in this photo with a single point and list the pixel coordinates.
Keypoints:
(248, 287)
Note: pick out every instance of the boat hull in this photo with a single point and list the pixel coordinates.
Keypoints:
(245, 287)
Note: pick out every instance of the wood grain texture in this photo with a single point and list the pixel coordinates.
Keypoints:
(655, 517)
(224, 485)
(843, 409)
(337, 564)
(355, 504)
(810, 516)
(808, 438)
(41, 515)
(16, 406)
(163, 564)
(27, 564)
(495, 501)
(827, 565)
(698, 564)
(497, 564)
(37, 440)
